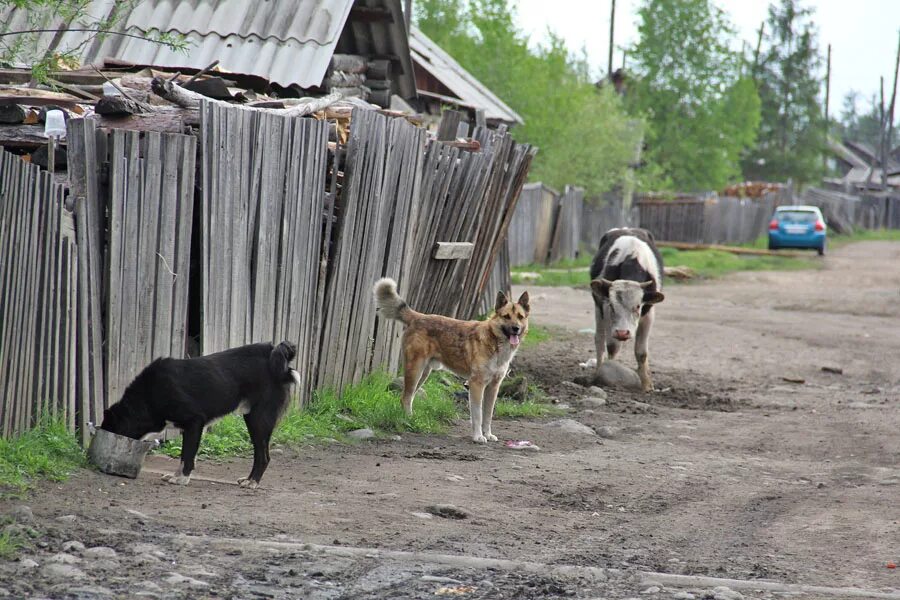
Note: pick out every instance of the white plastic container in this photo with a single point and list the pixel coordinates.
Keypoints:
(110, 90)
(55, 124)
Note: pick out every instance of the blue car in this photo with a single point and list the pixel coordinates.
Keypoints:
(797, 227)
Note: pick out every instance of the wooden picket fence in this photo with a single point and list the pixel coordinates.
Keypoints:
(38, 298)
(287, 239)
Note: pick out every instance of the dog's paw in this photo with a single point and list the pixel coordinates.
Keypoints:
(177, 479)
(491, 437)
(479, 439)
(247, 483)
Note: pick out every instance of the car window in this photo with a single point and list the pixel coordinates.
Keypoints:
(797, 216)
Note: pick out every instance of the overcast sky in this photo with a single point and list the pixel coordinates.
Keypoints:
(862, 33)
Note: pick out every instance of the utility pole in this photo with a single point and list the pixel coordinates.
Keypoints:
(762, 28)
(888, 140)
(407, 14)
(827, 98)
(612, 28)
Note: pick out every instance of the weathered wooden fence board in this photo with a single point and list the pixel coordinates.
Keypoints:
(263, 200)
(38, 274)
(567, 229)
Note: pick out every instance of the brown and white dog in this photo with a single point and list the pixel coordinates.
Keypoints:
(478, 350)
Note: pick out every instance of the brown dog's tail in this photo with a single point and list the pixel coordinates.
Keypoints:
(390, 304)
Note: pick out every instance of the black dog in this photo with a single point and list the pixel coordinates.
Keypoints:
(191, 393)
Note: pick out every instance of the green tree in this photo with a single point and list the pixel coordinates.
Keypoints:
(702, 114)
(792, 131)
(584, 135)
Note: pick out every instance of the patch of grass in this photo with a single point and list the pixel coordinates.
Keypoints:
(715, 263)
(508, 409)
(865, 235)
(569, 277)
(48, 451)
(536, 335)
(11, 541)
(369, 403)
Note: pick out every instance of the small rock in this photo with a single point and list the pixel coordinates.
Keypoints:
(571, 385)
(447, 511)
(683, 596)
(571, 426)
(89, 592)
(22, 514)
(435, 579)
(890, 481)
(862, 405)
(149, 585)
(66, 519)
(614, 374)
(821, 484)
(651, 590)
(594, 401)
(4, 593)
(73, 546)
(64, 558)
(833, 370)
(105, 564)
(597, 392)
(62, 572)
(726, 593)
(27, 563)
(361, 434)
(608, 432)
(179, 579)
(277, 451)
(136, 513)
(100, 552)
(422, 515)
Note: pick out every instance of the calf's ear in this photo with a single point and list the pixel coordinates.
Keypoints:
(653, 297)
(600, 287)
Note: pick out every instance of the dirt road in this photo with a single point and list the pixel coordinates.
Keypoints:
(728, 471)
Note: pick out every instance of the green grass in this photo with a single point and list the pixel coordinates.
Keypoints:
(705, 263)
(370, 404)
(536, 335)
(865, 235)
(48, 451)
(715, 263)
(11, 542)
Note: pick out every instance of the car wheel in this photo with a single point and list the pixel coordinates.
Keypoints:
(821, 249)
(772, 246)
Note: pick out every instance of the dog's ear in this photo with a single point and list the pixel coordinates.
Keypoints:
(502, 301)
(278, 360)
(524, 302)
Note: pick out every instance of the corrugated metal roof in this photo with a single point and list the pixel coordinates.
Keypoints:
(430, 57)
(285, 41)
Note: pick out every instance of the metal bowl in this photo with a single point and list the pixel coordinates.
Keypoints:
(118, 455)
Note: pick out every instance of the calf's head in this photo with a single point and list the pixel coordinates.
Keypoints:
(510, 318)
(622, 302)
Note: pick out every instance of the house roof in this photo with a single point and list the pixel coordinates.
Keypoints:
(286, 41)
(467, 91)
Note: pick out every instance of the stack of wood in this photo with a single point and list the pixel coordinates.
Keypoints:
(751, 189)
(355, 76)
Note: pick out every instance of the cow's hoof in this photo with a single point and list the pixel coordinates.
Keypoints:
(247, 483)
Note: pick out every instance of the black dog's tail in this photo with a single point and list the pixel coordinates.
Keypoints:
(281, 355)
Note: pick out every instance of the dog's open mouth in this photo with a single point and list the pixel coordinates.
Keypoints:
(514, 339)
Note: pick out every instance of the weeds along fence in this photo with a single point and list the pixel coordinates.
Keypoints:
(280, 236)
(39, 300)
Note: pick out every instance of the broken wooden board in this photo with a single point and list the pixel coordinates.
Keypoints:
(452, 250)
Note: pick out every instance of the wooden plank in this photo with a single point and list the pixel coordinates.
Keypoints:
(452, 250)
(118, 190)
(186, 159)
(730, 249)
(148, 244)
(166, 273)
